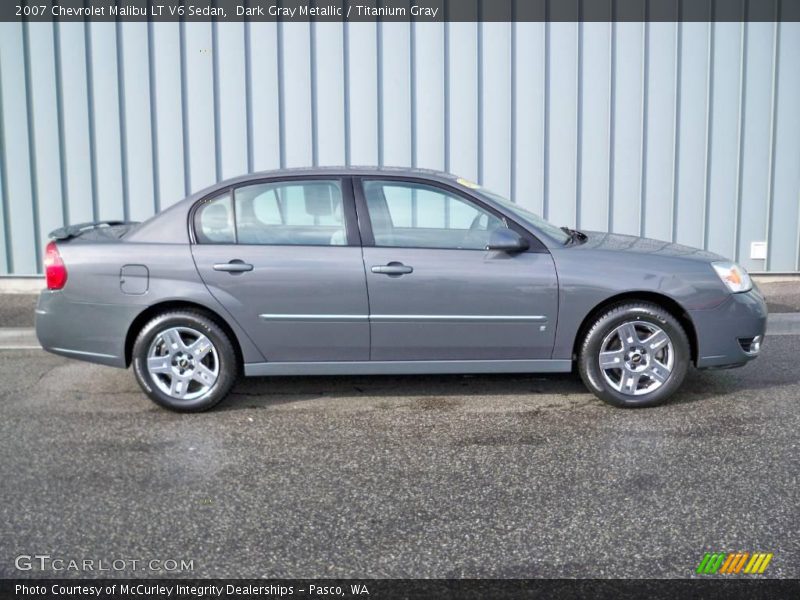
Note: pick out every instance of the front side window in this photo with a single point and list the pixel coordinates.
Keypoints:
(304, 213)
(411, 215)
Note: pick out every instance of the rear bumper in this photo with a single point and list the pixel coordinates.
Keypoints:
(725, 333)
(85, 331)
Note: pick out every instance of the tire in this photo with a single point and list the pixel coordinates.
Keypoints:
(651, 367)
(184, 361)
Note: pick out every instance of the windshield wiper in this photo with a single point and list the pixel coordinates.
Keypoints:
(574, 235)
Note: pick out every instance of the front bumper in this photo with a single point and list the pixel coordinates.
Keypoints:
(731, 334)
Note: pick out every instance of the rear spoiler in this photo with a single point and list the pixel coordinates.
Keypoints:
(71, 231)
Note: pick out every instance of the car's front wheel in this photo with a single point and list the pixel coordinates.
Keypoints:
(184, 361)
(634, 355)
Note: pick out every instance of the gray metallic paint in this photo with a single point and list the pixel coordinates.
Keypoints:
(739, 315)
(613, 265)
(91, 317)
(463, 282)
(91, 314)
(316, 280)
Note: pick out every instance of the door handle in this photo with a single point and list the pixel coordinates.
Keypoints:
(234, 266)
(393, 268)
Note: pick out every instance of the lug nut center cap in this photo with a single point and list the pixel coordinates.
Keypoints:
(637, 359)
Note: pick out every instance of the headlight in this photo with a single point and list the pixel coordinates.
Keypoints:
(733, 276)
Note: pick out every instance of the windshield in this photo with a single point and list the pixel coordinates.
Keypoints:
(555, 233)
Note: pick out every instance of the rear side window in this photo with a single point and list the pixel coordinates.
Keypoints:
(302, 213)
(214, 222)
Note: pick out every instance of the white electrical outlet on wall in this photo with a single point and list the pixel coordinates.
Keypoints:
(758, 250)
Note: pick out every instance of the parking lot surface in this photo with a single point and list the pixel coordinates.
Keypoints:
(484, 476)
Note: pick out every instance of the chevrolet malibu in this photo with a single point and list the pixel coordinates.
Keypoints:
(385, 271)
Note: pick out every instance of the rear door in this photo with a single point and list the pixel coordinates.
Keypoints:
(435, 293)
(284, 258)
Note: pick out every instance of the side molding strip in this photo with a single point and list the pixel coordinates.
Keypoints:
(82, 353)
(322, 317)
(276, 317)
(493, 318)
(407, 367)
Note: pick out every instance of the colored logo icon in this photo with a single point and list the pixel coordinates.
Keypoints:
(734, 563)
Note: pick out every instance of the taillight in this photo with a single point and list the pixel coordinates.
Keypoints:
(54, 269)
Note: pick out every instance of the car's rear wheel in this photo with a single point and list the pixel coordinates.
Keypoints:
(184, 361)
(634, 355)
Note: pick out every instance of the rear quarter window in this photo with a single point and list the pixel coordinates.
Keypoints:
(213, 221)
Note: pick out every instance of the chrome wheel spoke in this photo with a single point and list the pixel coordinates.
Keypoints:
(200, 347)
(657, 374)
(627, 333)
(172, 338)
(630, 382)
(612, 359)
(203, 375)
(159, 365)
(656, 341)
(178, 386)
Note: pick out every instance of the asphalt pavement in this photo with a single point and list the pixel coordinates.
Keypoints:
(485, 476)
(16, 310)
(448, 476)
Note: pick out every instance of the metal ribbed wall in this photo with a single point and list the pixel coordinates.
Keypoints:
(686, 132)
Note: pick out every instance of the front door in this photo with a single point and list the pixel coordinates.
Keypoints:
(435, 293)
(283, 257)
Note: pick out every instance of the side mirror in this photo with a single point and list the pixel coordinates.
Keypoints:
(507, 240)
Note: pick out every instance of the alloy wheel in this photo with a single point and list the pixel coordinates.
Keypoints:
(183, 363)
(636, 358)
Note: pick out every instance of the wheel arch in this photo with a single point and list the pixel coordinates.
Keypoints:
(151, 312)
(662, 300)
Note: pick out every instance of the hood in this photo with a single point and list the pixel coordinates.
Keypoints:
(615, 242)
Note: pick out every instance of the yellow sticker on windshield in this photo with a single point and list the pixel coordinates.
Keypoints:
(467, 183)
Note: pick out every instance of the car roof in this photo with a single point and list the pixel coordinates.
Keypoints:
(341, 170)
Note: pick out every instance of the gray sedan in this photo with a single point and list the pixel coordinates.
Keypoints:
(385, 271)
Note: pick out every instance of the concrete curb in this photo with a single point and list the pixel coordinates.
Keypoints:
(24, 338)
(783, 324)
(21, 285)
(776, 278)
(18, 338)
